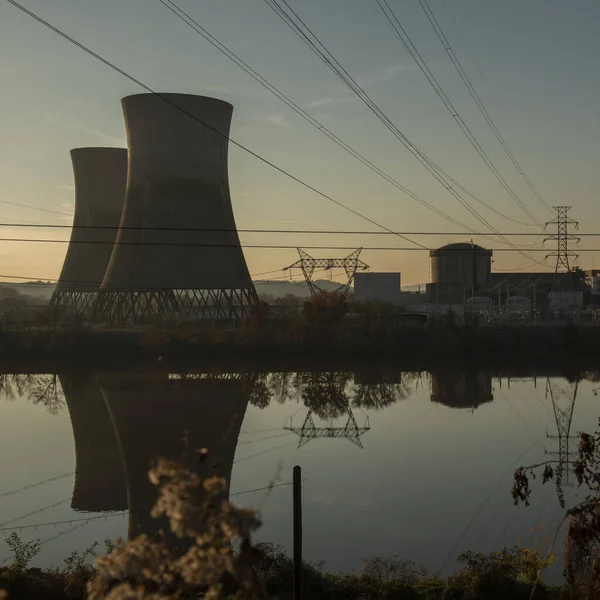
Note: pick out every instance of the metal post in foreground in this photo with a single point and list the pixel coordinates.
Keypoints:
(297, 593)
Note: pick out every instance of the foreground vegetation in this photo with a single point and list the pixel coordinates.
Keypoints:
(215, 558)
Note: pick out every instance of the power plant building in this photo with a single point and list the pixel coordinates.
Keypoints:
(458, 271)
(464, 263)
(100, 179)
(381, 287)
(177, 256)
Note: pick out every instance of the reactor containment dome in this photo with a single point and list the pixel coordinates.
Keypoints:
(177, 256)
(461, 263)
(100, 180)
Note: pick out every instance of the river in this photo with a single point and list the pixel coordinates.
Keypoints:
(413, 464)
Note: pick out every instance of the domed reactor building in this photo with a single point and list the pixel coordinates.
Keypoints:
(100, 179)
(177, 256)
(458, 271)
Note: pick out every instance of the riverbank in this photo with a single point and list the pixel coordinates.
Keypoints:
(509, 574)
(264, 348)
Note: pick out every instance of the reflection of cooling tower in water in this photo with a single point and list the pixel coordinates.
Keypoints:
(99, 477)
(461, 389)
(155, 416)
(100, 179)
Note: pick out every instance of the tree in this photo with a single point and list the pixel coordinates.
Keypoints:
(582, 551)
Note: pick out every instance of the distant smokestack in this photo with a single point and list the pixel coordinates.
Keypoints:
(100, 179)
(177, 180)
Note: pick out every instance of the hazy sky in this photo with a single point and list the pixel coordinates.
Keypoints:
(533, 63)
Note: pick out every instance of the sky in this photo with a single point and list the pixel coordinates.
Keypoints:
(533, 64)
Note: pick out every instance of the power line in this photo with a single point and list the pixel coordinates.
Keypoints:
(403, 36)
(34, 512)
(267, 451)
(186, 18)
(298, 231)
(473, 92)
(299, 27)
(65, 522)
(192, 116)
(58, 212)
(512, 247)
(263, 439)
(123, 513)
(34, 485)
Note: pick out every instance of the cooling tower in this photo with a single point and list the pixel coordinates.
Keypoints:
(100, 179)
(178, 255)
(99, 475)
(155, 415)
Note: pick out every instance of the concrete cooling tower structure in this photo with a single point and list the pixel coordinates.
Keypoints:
(100, 180)
(157, 415)
(99, 472)
(177, 255)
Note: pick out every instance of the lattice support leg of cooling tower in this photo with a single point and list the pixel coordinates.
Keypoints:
(183, 305)
(563, 404)
(74, 304)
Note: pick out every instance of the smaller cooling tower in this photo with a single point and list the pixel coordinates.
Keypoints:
(100, 180)
(99, 475)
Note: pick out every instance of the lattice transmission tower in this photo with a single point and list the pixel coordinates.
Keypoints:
(309, 430)
(563, 403)
(351, 264)
(562, 238)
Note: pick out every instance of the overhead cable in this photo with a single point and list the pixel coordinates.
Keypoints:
(477, 99)
(186, 18)
(195, 118)
(299, 27)
(402, 35)
(512, 247)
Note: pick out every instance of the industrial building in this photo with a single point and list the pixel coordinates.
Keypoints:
(464, 263)
(461, 389)
(462, 279)
(458, 272)
(378, 287)
(100, 179)
(177, 255)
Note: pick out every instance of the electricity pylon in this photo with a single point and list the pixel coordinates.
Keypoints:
(308, 265)
(563, 404)
(309, 431)
(562, 239)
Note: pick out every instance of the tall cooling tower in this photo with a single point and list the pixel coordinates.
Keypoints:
(100, 179)
(178, 255)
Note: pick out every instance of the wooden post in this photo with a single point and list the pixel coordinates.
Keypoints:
(297, 592)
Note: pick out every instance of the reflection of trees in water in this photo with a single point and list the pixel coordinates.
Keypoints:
(380, 395)
(14, 385)
(260, 394)
(324, 393)
(46, 390)
(330, 394)
(42, 388)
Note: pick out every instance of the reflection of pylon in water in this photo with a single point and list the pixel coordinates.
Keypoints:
(563, 403)
(309, 431)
